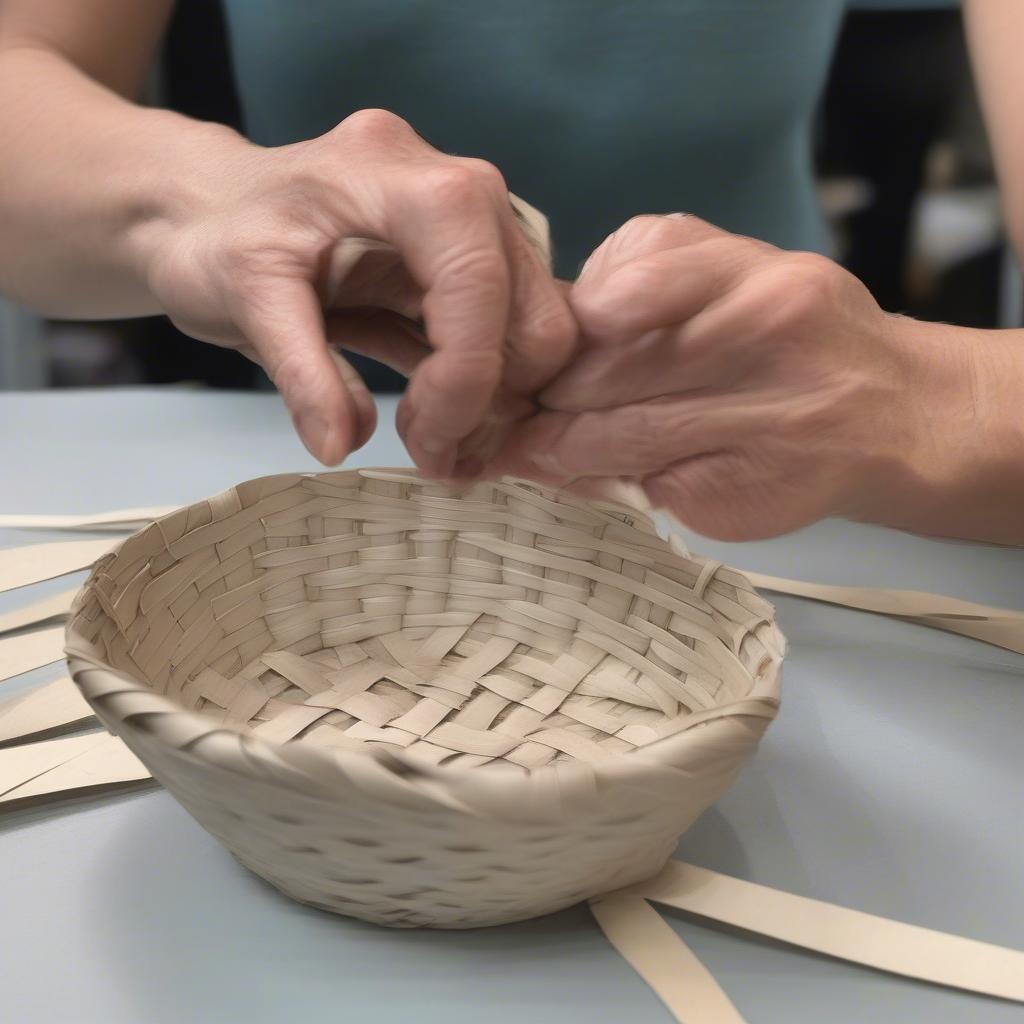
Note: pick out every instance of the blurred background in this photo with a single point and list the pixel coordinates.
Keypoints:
(904, 176)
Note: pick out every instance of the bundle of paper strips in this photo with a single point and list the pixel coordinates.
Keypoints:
(441, 656)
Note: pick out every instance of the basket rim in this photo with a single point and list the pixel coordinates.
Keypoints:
(118, 698)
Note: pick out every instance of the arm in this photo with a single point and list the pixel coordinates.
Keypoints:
(109, 209)
(84, 170)
(995, 29)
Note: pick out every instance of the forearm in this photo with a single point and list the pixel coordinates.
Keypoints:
(994, 30)
(959, 469)
(89, 184)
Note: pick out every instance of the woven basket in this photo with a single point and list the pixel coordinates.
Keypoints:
(425, 707)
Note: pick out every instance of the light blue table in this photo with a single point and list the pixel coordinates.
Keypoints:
(893, 782)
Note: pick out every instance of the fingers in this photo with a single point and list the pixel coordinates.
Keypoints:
(496, 316)
(659, 288)
(332, 411)
(542, 329)
(711, 350)
(631, 441)
(644, 235)
(366, 408)
(448, 229)
(660, 318)
(603, 376)
(491, 310)
(690, 335)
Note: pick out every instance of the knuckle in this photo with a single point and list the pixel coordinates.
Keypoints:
(643, 232)
(482, 272)
(636, 280)
(811, 282)
(646, 225)
(451, 185)
(553, 326)
(373, 123)
(655, 231)
(486, 174)
(598, 302)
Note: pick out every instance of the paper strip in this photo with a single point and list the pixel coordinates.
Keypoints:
(27, 651)
(59, 605)
(837, 931)
(663, 960)
(37, 562)
(50, 706)
(54, 767)
(1002, 627)
(125, 519)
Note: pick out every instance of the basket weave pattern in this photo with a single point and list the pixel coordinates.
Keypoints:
(426, 707)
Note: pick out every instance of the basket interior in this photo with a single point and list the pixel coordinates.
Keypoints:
(504, 625)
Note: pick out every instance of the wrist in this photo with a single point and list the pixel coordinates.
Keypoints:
(180, 186)
(955, 465)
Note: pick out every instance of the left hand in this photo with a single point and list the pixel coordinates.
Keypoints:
(748, 390)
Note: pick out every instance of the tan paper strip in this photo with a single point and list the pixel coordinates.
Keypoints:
(30, 650)
(126, 519)
(19, 765)
(37, 562)
(58, 605)
(50, 706)
(840, 932)
(54, 767)
(663, 960)
(1002, 627)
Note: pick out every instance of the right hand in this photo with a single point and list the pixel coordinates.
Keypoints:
(367, 238)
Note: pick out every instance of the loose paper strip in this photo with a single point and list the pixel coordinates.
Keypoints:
(663, 960)
(30, 650)
(59, 605)
(48, 707)
(54, 767)
(840, 932)
(1002, 627)
(125, 519)
(37, 562)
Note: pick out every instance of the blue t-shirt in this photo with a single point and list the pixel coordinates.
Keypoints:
(594, 110)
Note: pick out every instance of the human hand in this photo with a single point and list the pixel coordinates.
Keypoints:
(367, 238)
(751, 391)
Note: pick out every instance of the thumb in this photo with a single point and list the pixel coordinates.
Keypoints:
(331, 408)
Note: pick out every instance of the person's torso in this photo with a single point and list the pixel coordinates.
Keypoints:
(594, 110)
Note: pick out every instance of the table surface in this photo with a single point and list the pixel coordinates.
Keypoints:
(893, 782)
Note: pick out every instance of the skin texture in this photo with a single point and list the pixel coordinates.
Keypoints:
(749, 391)
(110, 209)
(994, 31)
